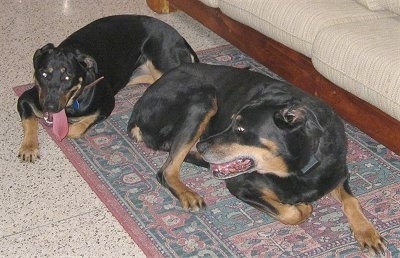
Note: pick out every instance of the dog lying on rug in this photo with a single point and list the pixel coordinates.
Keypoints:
(277, 148)
(75, 83)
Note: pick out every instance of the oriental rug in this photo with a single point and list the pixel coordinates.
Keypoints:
(122, 173)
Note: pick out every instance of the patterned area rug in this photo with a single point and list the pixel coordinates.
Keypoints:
(122, 173)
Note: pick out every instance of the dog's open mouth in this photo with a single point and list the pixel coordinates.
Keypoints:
(48, 118)
(51, 118)
(58, 121)
(232, 168)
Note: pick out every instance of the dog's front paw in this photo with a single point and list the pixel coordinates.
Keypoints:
(76, 130)
(370, 239)
(191, 201)
(29, 153)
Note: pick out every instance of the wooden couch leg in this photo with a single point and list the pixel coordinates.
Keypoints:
(160, 6)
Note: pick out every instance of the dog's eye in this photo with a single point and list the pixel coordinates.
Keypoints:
(44, 75)
(240, 129)
(66, 78)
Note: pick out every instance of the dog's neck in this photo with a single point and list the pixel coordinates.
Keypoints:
(75, 103)
(313, 162)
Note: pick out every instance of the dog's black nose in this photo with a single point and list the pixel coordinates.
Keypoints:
(202, 146)
(51, 107)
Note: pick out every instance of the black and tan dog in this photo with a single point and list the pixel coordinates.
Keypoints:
(277, 148)
(75, 83)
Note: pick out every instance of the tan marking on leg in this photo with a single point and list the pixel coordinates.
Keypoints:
(136, 134)
(29, 150)
(287, 213)
(145, 73)
(145, 78)
(364, 231)
(189, 199)
(156, 74)
(80, 126)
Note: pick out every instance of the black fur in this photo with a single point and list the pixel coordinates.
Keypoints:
(112, 47)
(261, 102)
(277, 148)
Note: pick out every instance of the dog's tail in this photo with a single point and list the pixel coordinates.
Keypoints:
(195, 58)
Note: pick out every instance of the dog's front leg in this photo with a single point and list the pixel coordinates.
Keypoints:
(29, 150)
(169, 177)
(29, 112)
(80, 125)
(189, 133)
(364, 231)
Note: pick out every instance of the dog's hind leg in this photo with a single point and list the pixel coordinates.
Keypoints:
(136, 134)
(266, 200)
(291, 214)
(364, 231)
(145, 73)
(187, 134)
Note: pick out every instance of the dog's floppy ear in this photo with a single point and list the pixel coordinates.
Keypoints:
(38, 53)
(290, 117)
(88, 64)
(294, 116)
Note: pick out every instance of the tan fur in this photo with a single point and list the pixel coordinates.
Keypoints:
(189, 199)
(29, 150)
(287, 213)
(146, 79)
(155, 73)
(136, 134)
(364, 231)
(146, 73)
(80, 125)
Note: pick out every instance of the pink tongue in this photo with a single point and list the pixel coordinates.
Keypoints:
(60, 125)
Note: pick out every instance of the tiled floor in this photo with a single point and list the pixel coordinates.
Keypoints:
(46, 209)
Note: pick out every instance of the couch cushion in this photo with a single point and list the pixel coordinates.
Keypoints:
(296, 23)
(393, 5)
(374, 5)
(210, 3)
(364, 59)
(377, 5)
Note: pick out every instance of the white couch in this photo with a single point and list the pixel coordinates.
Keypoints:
(354, 44)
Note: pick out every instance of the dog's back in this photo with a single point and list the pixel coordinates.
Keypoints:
(121, 42)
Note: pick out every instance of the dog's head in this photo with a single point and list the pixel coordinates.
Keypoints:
(267, 136)
(61, 74)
